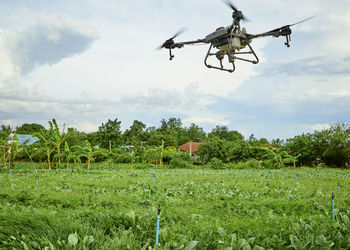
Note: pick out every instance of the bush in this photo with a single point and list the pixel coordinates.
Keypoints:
(124, 158)
(216, 163)
(250, 164)
(181, 159)
(143, 166)
(268, 164)
(101, 154)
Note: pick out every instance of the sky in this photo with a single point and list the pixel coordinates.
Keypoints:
(83, 62)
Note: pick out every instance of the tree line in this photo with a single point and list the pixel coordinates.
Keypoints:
(139, 144)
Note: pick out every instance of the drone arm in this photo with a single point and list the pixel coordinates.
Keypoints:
(181, 44)
(274, 33)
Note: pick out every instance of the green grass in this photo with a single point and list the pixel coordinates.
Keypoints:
(200, 208)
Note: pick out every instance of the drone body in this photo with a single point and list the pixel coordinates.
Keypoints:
(231, 41)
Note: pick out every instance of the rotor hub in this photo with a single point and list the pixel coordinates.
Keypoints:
(237, 15)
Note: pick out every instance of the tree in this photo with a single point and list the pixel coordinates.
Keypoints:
(171, 124)
(222, 132)
(195, 133)
(305, 147)
(5, 131)
(74, 137)
(337, 140)
(110, 134)
(226, 151)
(135, 134)
(27, 128)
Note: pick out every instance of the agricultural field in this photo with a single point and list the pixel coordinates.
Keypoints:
(200, 208)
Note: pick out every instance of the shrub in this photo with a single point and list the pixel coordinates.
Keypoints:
(124, 158)
(250, 164)
(216, 163)
(144, 166)
(181, 159)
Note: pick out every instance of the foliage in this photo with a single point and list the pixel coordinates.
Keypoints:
(329, 146)
(202, 209)
(226, 151)
(110, 134)
(180, 159)
(222, 132)
(216, 163)
(29, 129)
(86, 152)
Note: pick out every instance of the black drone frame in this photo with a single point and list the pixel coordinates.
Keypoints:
(225, 36)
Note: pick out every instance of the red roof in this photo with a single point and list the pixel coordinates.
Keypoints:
(190, 146)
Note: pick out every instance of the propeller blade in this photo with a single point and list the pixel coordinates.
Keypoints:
(180, 31)
(304, 20)
(171, 39)
(160, 47)
(230, 4)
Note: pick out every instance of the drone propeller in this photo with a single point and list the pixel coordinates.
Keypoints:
(302, 21)
(236, 13)
(168, 43)
(286, 28)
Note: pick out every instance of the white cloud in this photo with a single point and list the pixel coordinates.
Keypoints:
(48, 41)
(201, 120)
(46, 75)
(319, 127)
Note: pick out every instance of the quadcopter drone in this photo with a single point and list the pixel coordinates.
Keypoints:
(231, 41)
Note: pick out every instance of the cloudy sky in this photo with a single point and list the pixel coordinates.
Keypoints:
(86, 61)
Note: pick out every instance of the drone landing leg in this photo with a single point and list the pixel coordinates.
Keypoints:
(171, 56)
(251, 51)
(288, 40)
(220, 60)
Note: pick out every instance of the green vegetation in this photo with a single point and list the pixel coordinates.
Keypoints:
(141, 144)
(107, 207)
(75, 190)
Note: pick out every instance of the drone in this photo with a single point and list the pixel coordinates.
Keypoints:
(232, 41)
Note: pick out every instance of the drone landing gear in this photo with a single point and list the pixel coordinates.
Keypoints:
(220, 56)
(171, 56)
(288, 40)
(232, 56)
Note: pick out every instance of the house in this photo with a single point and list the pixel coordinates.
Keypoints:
(22, 139)
(190, 147)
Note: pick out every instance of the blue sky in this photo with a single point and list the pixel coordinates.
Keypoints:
(86, 61)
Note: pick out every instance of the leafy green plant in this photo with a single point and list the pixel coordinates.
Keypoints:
(216, 163)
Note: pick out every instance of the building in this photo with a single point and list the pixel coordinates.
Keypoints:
(22, 139)
(190, 147)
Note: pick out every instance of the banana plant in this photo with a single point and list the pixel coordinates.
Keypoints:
(47, 144)
(291, 159)
(86, 152)
(276, 158)
(58, 138)
(71, 155)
